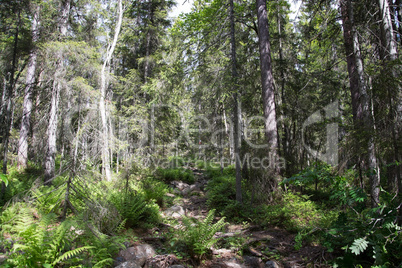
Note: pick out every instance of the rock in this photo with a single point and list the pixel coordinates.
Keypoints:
(176, 191)
(139, 254)
(189, 189)
(3, 258)
(223, 252)
(118, 260)
(162, 261)
(253, 262)
(271, 264)
(129, 264)
(177, 266)
(232, 264)
(180, 185)
(175, 211)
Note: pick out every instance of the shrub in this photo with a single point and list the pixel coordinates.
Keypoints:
(48, 199)
(336, 191)
(19, 182)
(176, 162)
(294, 212)
(370, 236)
(200, 164)
(316, 174)
(135, 208)
(154, 190)
(172, 174)
(221, 192)
(214, 170)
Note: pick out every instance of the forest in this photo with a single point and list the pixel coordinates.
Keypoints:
(238, 134)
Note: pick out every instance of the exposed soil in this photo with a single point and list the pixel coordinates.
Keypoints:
(259, 244)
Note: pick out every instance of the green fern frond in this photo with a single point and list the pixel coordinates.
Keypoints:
(199, 235)
(103, 263)
(71, 253)
(120, 227)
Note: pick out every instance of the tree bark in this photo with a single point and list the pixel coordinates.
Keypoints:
(8, 103)
(267, 83)
(52, 127)
(390, 42)
(27, 105)
(391, 54)
(362, 118)
(237, 130)
(102, 103)
(54, 103)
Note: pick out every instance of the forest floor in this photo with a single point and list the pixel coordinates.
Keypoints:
(239, 245)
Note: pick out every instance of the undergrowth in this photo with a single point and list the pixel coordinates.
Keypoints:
(197, 236)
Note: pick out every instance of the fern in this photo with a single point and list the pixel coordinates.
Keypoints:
(40, 243)
(199, 236)
(120, 227)
(359, 245)
(70, 254)
(103, 263)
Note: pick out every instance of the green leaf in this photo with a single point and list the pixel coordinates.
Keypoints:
(359, 245)
(4, 178)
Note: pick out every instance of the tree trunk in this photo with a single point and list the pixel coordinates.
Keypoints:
(102, 103)
(27, 106)
(363, 118)
(52, 127)
(267, 82)
(390, 54)
(390, 42)
(284, 139)
(237, 130)
(8, 103)
(398, 4)
(54, 103)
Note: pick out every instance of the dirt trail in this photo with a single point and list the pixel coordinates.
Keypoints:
(259, 245)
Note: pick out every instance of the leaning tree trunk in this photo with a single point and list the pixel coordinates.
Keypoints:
(54, 103)
(363, 122)
(267, 82)
(102, 102)
(27, 105)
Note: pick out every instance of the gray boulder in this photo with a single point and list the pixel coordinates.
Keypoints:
(129, 264)
(271, 264)
(175, 211)
(139, 254)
